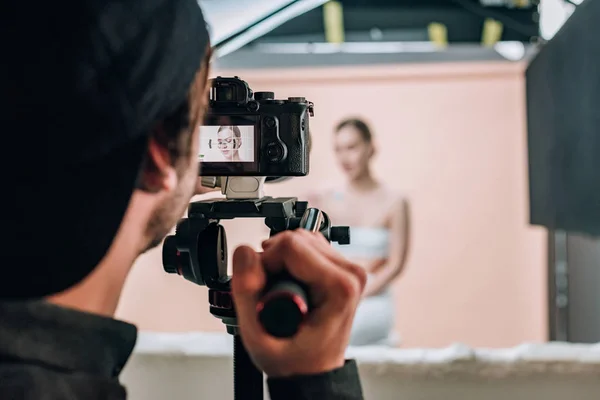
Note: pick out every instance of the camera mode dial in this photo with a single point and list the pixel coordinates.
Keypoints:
(275, 152)
(261, 96)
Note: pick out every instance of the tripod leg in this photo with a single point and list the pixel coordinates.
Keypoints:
(247, 379)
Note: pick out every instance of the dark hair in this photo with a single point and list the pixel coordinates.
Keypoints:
(236, 131)
(358, 124)
(175, 132)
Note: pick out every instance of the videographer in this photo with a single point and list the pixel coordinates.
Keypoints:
(120, 88)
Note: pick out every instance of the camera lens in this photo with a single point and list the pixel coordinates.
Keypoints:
(274, 152)
(270, 122)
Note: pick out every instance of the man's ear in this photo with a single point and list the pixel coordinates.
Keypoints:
(159, 173)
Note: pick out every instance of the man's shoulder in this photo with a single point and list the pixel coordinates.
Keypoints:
(36, 382)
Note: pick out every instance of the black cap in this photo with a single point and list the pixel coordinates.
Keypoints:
(82, 84)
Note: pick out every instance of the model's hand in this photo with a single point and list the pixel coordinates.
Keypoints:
(335, 286)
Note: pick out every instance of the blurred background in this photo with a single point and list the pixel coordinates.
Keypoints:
(441, 83)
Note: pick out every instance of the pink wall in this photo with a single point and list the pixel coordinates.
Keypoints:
(452, 137)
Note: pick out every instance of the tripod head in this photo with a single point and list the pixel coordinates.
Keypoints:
(198, 250)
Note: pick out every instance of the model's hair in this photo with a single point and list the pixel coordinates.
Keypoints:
(236, 131)
(358, 124)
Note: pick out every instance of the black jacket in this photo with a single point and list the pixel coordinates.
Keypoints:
(49, 352)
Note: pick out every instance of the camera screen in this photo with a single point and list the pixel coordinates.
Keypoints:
(229, 145)
(226, 143)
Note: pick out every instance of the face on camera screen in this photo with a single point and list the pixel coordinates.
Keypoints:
(226, 143)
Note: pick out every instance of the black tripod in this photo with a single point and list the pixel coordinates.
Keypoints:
(198, 252)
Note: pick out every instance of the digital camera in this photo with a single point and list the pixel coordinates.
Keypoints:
(253, 134)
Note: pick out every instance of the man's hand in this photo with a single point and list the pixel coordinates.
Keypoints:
(335, 286)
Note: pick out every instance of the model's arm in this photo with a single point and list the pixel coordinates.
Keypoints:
(398, 250)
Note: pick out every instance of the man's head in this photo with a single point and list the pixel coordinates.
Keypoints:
(229, 140)
(166, 182)
(117, 89)
(169, 173)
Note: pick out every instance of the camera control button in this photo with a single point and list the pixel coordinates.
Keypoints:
(297, 99)
(270, 122)
(274, 152)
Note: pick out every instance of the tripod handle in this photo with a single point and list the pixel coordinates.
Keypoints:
(286, 302)
(283, 306)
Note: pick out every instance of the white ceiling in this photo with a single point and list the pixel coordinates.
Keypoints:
(227, 18)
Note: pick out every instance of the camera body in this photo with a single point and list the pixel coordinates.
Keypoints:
(253, 134)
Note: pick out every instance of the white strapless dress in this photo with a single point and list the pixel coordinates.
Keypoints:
(374, 320)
